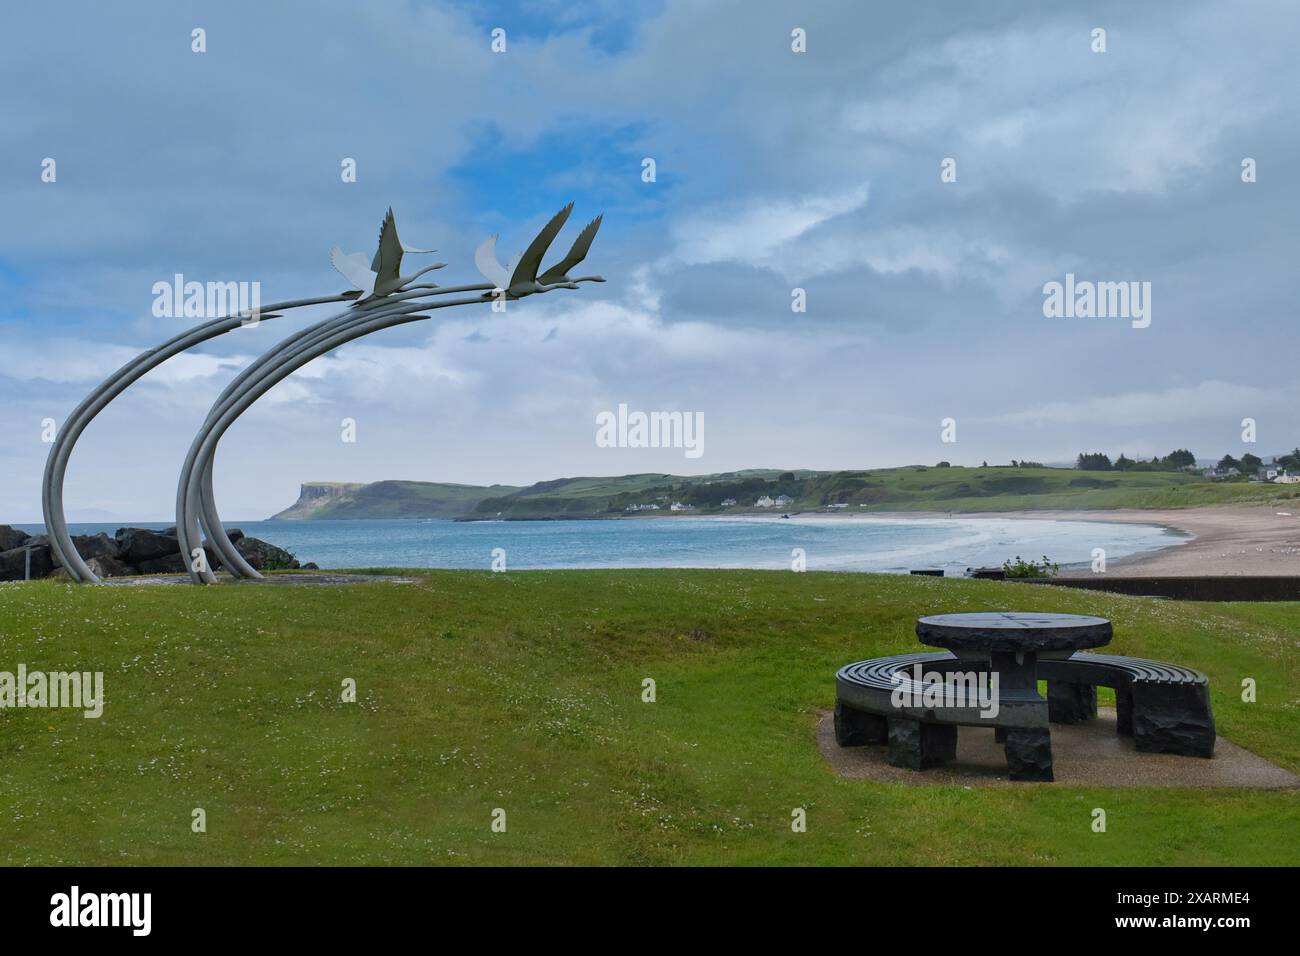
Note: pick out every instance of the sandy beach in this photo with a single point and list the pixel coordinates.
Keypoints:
(1225, 540)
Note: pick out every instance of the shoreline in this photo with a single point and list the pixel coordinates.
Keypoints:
(1220, 540)
(1230, 540)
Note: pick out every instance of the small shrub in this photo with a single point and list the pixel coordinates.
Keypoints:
(1030, 569)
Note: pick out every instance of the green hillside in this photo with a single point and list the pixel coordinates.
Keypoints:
(914, 488)
(407, 499)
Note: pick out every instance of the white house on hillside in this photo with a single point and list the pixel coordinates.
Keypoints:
(764, 502)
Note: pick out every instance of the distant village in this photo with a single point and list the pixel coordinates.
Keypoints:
(1275, 473)
(1283, 470)
(765, 501)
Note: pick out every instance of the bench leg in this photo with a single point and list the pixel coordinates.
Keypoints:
(916, 746)
(1070, 703)
(854, 728)
(1173, 719)
(1029, 753)
(1124, 710)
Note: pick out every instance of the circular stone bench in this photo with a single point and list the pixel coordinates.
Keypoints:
(1164, 707)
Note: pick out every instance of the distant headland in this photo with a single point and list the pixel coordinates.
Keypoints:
(1017, 487)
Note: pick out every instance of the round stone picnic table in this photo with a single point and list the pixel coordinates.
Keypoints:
(1010, 643)
(984, 633)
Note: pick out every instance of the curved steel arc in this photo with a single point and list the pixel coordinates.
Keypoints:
(199, 501)
(196, 505)
(204, 445)
(56, 526)
(216, 532)
(206, 509)
(195, 499)
(187, 527)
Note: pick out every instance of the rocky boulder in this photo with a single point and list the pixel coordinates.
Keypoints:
(13, 563)
(110, 567)
(94, 546)
(105, 567)
(167, 564)
(138, 545)
(177, 563)
(11, 538)
(264, 556)
(129, 551)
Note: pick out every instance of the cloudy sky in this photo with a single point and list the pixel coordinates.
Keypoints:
(776, 170)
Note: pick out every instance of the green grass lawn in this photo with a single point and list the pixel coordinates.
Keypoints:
(523, 691)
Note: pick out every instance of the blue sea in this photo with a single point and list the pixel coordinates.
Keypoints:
(829, 543)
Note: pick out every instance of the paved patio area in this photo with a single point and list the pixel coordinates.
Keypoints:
(1087, 755)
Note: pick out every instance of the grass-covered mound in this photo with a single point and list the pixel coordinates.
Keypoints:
(524, 691)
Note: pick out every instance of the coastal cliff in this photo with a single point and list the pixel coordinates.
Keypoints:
(387, 499)
(315, 495)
